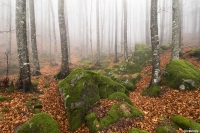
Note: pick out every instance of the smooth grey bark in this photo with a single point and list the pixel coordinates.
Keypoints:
(36, 65)
(87, 36)
(148, 40)
(24, 79)
(49, 33)
(98, 38)
(194, 24)
(125, 32)
(102, 26)
(109, 47)
(181, 25)
(175, 30)
(64, 71)
(155, 45)
(54, 34)
(122, 29)
(91, 30)
(162, 23)
(41, 39)
(10, 33)
(116, 30)
(68, 38)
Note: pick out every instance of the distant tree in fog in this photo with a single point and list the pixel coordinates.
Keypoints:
(98, 37)
(54, 34)
(36, 65)
(125, 32)
(148, 39)
(116, 30)
(64, 71)
(24, 79)
(162, 21)
(175, 31)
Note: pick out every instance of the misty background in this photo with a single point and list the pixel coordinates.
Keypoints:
(81, 16)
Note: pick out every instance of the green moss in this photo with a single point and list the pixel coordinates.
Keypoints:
(167, 127)
(185, 123)
(2, 98)
(28, 103)
(1, 117)
(129, 68)
(116, 65)
(165, 47)
(40, 123)
(38, 105)
(35, 83)
(152, 91)
(135, 130)
(11, 88)
(181, 74)
(117, 111)
(195, 52)
(4, 110)
(46, 85)
(120, 97)
(108, 69)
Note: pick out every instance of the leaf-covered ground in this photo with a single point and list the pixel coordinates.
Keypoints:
(155, 110)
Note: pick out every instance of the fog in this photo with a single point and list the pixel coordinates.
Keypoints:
(81, 13)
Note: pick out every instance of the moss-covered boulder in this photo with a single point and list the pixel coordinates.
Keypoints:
(195, 52)
(81, 90)
(152, 91)
(135, 130)
(168, 127)
(186, 123)
(40, 123)
(120, 97)
(182, 75)
(142, 54)
(117, 111)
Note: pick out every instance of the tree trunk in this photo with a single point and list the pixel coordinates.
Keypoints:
(148, 40)
(116, 26)
(181, 25)
(155, 44)
(98, 39)
(64, 71)
(162, 23)
(54, 33)
(175, 31)
(125, 32)
(36, 66)
(10, 33)
(49, 31)
(24, 79)
(122, 29)
(91, 29)
(86, 13)
(68, 39)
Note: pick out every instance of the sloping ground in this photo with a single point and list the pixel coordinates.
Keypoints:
(155, 110)
(171, 101)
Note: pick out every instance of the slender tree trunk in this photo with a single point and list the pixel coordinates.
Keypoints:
(91, 29)
(109, 30)
(36, 66)
(68, 39)
(87, 36)
(181, 25)
(10, 33)
(162, 26)
(116, 30)
(54, 33)
(49, 30)
(98, 39)
(125, 32)
(122, 29)
(175, 32)
(63, 37)
(148, 40)
(155, 44)
(24, 79)
(41, 43)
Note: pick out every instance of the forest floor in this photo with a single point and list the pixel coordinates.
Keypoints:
(155, 110)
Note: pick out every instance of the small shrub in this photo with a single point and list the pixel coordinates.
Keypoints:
(11, 88)
(35, 83)
(4, 110)
(46, 85)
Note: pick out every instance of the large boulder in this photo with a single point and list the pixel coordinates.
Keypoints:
(81, 90)
(40, 123)
(182, 75)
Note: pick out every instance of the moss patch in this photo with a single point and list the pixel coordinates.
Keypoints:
(135, 130)
(81, 89)
(195, 52)
(152, 91)
(117, 111)
(2, 98)
(185, 123)
(40, 123)
(180, 74)
(11, 88)
(120, 97)
(168, 127)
